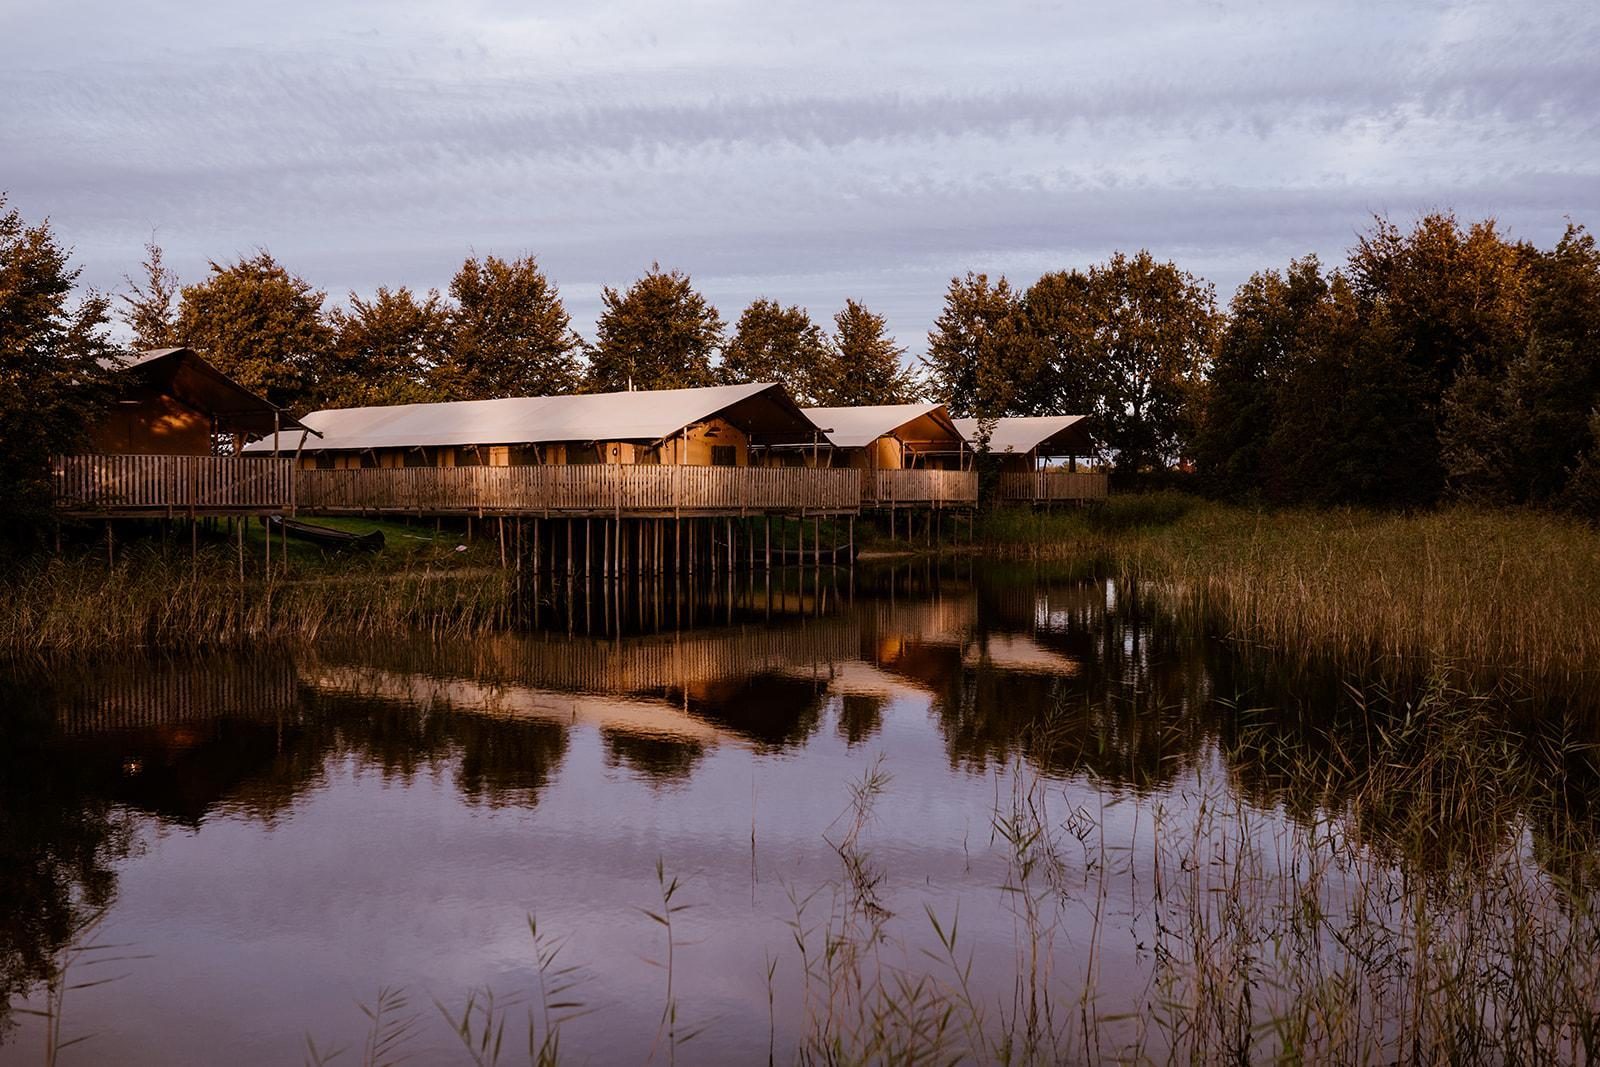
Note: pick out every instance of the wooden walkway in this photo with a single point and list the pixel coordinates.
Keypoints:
(107, 486)
(610, 490)
(919, 489)
(1053, 486)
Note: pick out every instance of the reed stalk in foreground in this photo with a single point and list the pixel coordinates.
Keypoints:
(1423, 890)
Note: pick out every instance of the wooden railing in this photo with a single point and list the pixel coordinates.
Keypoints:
(152, 485)
(624, 489)
(1042, 487)
(919, 488)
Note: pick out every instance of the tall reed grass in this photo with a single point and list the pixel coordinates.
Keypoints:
(147, 602)
(1486, 591)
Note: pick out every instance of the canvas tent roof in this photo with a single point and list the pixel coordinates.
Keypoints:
(203, 387)
(858, 427)
(1059, 435)
(764, 410)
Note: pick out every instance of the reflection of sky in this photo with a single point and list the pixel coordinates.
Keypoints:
(256, 936)
(261, 929)
(806, 152)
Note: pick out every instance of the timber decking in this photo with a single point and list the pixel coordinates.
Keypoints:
(116, 485)
(622, 490)
(1043, 487)
(919, 488)
(110, 486)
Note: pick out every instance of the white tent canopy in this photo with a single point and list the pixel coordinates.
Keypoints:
(641, 415)
(858, 427)
(1023, 434)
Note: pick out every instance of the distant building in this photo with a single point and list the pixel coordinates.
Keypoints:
(169, 401)
(716, 426)
(1025, 443)
(886, 437)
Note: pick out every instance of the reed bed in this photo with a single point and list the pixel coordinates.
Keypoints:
(1487, 591)
(147, 603)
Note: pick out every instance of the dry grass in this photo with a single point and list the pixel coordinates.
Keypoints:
(1487, 592)
(79, 605)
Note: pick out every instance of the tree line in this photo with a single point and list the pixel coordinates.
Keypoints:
(1440, 361)
(500, 329)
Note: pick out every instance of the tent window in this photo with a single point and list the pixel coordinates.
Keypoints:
(324, 461)
(724, 456)
(583, 454)
(469, 456)
(369, 460)
(416, 457)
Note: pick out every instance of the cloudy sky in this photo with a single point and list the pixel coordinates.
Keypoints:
(803, 151)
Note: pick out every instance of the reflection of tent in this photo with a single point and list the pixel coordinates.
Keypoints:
(1015, 652)
(643, 717)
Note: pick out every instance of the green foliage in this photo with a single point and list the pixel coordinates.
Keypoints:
(510, 335)
(1150, 331)
(51, 381)
(1125, 342)
(866, 364)
(1271, 326)
(660, 334)
(1439, 360)
(772, 343)
(385, 350)
(260, 325)
(983, 357)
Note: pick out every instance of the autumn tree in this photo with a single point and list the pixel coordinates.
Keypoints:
(983, 357)
(1456, 301)
(385, 350)
(1132, 337)
(660, 334)
(867, 365)
(1516, 428)
(51, 379)
(260, 325)
(150, 307)
(773, 343)
(510, 334)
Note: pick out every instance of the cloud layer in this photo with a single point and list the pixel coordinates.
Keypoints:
(806, 152)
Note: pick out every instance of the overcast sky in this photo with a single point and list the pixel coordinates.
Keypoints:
(806, 151)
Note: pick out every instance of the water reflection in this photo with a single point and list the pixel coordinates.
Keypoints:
(1082, 680)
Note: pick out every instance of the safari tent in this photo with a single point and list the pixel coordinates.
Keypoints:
(714, 426)
(887, 437)
(1024, 443)
(170, 401)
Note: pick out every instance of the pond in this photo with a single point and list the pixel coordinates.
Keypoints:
(934, 806)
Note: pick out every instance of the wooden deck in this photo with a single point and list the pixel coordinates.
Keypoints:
(623, 491)
(172, 486)
(117, 486)
(1052, 486)
(919, 489)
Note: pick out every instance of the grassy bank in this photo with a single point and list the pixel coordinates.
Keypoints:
(1480, 590)
(158, 596)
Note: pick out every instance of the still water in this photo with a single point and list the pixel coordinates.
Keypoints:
(270, 840)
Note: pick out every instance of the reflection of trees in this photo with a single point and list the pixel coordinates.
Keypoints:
(1132, 713)
(658, 759)
(772, 711)
(860, 717)
(59, 839)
